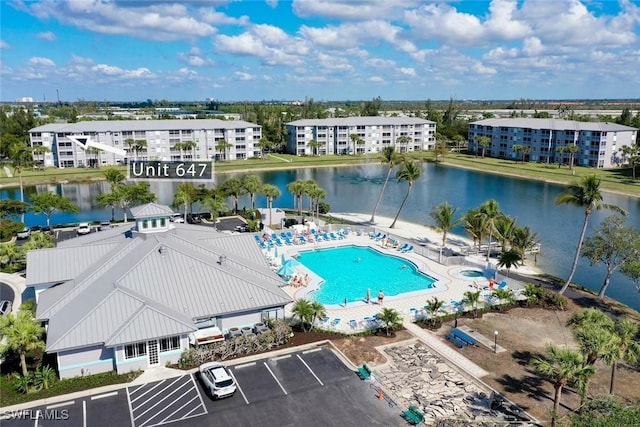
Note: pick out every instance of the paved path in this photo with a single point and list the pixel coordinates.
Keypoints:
(446, 351)
(7, 171)
(18, 284)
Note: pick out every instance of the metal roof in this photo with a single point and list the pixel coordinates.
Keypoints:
(553, 124)
(137, 291)
(151, 210)
(143, 125)
(361, 121)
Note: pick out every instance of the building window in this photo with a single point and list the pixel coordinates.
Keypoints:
(154, 223)
(163, 222)
(169, 344)
(145, 224)
(132, 351)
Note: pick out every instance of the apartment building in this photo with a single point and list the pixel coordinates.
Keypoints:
(599, 143)
(105, 143)
(334, 136)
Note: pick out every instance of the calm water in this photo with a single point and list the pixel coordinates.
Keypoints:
(355, 189)
(349, 271)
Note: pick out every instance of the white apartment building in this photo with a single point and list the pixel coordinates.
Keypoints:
(374, 133)
(599, 143)
(109, 142)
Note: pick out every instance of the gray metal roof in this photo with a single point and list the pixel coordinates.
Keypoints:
(143, 125)
(361, 121)
(137, 292)
(151, 210)
(553, 124)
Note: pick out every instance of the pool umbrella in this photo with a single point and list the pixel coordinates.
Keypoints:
(275, 255)
(368, 295)
(286, 270)
(292, 262)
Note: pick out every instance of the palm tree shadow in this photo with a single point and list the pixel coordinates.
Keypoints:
(523, 357)
(529, 385)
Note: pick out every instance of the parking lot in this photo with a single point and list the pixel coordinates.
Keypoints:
(311, 387)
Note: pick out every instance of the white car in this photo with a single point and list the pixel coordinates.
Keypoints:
(217, 380)
(25, 233)
(83, 228)
(178, 217)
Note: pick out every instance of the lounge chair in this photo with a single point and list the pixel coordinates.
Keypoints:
(333, 236)
(289, 235)
(353, 324)
(407, 250)
(403, 247)
(376, 236)
(287, 241)
(503, 285)
(335, 322)
(262, 245)
(326, 237)
(258, 239)
(278, 242)
(303, 240)
(384, 236)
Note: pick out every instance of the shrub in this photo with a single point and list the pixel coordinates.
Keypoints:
(324, 207)
(44, 378)
(9, 228)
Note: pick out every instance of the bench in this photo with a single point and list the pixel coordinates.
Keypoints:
(464, 337)
(457, 341)
(365, 372)
(413, 415)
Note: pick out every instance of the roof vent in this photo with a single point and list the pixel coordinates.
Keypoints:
(221, 259)
(162, 249)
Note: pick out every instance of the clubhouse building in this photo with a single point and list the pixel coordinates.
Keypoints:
(114, 142)
(135, 297)
(334, 136)
(599, 143)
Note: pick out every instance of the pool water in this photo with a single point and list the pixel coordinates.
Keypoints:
(471, 273)
(349, 271)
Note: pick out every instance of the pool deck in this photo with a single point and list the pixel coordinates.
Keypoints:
(450, 285)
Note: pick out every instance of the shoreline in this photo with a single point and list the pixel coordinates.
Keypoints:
(293, 165)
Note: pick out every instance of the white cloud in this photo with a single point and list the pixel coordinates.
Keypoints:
(193, 58)
(376, 79)
(272, 3)
(48, 35)
(4, 45)
(408, 71)
(352, 10)
(40, 61)
(380, 63)
(244, 76)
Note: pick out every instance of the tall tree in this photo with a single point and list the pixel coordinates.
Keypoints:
(318, 312)
(21, 333)
(252, 185)
(613, 245)
(297, 189)
(472, 298)
(475, 225)
(560, 150)
(401, 143)
(222, 146)
(586, 195)
(572, 149)
(317, 194)
(215, 205)
(523, 240)
(355, 138)
(190, 145)
(482, 141)
(444, 217)
(271, 192)
(504, 230)
(48, 203)
(623, 347)
(509, 259)
(39, 152)
(434, 306)
(303, 310)
(21, 158)
(133, 195)
(389, 157)
(409, 172)
(490, 211)
(314, 145)
(631, 155)
(184, 196)
(232, 187)
(561, 367)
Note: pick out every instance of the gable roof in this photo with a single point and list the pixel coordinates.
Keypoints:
(151, 210)
(151, 286)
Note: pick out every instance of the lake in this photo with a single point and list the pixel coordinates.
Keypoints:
(355, 189)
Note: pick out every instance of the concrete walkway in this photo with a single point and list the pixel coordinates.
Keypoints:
(446, 351)
(7, 171)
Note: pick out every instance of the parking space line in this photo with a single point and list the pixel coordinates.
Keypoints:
(84, 413)
(134, 391)
(313, 350)
(160, 401)
(59, 405)
(238, 386)
(188, 414)
(195, 386)
(274, 377)
(179, 397)
(286, 356)
(152, 388)
(133, 424)
(309, 368)
(179, 409)
(102, 396)
(245, 365)
(35, 424)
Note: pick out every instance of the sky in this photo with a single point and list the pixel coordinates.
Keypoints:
(230, 50)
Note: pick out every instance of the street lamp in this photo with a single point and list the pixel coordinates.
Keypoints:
(495, 341)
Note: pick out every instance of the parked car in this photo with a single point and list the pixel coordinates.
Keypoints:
(216, 380)
(83, 228)
(177, 217)
(104, 225)
(36, 229)
(47, 230)
(25, 233)
(5, 307)
(194, 219)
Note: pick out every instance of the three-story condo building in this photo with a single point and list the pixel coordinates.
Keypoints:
(599, 145)
(119, 141)
(359, 135)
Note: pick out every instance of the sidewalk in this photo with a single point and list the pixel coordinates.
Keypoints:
(18, 284)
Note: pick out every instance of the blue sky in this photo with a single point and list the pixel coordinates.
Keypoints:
(322, 49)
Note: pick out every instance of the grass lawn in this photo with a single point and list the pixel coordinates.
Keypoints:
(615, 179)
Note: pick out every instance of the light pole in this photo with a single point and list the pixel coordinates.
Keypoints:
(495, 341)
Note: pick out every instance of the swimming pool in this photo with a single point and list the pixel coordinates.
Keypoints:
(350, 270)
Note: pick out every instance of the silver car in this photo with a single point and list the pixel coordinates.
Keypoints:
(217, 380)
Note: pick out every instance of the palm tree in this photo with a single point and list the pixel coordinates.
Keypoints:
(443, 215)
(355, 140)
(270, 192)
(22, 333)
(114, 177)
(264, 144)
(40, 151)
(401, 143)
(475, 225)
(180, 146)
(215, 205)
(623, 347)
(318, 312)
(504, 227)
(508, 259)
(304, 311)
(184, 197)
(232, 187)
(560, 150)
(490, 211)
(297, 189)
(21, 157)
(252, 184)
(482, 141)
(523, 240)
(521, 148)
(472, 298)
(434, 306)
(391, 319)
(138, 145)
(504, 296)
(410, 172)
(587, 195)
(314, 145)
(109, 200)
(390, 158)
(572, 149)
(222, 146)
(190, 145)
(316, 195)
(561, 367)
